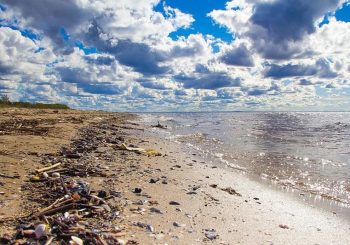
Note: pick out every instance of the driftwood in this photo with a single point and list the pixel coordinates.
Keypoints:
(48, 168)
(55, 210)
(58, 202)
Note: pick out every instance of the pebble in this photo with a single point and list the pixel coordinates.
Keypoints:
(211, 234)
(178, 224)
(56, 175)
(174, 203)
(137, 190)
(156, 210)
(154, 180)
(150, 228)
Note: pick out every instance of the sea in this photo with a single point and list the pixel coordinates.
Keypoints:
(305, 151)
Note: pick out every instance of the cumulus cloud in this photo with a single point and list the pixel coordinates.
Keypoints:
(239, 56)
(102, 53)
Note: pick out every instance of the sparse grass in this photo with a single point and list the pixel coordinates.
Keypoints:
(4, 104)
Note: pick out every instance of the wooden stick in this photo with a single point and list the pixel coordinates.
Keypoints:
(55, 210)
(58, 202)
(48, 168)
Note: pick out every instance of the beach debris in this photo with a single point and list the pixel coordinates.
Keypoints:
(211, 234)
(174, 203)
(191, 193)
(68, 211)
(150, 228)
(137, 190)
(151, 152)
(76, 241)
(147, 152)
(155, 210)
(154, 180)
(134, 149)
(178, 224)
(283, 226)
(158, 125)
(48, 168)
(40, 231)
(231, 191)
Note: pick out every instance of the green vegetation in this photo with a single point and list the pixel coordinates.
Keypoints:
(5, 102)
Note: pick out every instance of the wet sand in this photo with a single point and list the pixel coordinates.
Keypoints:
(183, 199)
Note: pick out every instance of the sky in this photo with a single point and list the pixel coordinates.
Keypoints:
(177, 55)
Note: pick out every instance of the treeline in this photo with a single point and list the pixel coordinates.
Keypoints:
(5, 102)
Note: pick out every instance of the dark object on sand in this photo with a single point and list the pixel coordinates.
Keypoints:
(158, 125)
(137, 190)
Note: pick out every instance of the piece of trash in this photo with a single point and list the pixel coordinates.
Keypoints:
(151, 152)
(35, 178)
(147, 152)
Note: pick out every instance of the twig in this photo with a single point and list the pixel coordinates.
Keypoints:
(48, 168)
(49, 241)
(55, 210)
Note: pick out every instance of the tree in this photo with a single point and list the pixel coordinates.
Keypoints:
(5, 98)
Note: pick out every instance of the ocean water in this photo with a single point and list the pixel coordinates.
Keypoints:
(305, 151)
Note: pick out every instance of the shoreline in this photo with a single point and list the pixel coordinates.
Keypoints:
(184, 200)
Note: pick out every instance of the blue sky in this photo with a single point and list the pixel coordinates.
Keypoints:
(177, 55)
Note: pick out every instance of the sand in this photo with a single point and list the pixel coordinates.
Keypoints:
(258, 215)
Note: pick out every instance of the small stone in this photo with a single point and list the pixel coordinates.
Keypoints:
(56, 175)
(154, 180)
(137, 190)
(178, 224)
(150, 228)
(211, 234)
(174, 203)
(156, 210)
(102, 194)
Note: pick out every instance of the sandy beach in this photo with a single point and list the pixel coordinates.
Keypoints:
(172, 198)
